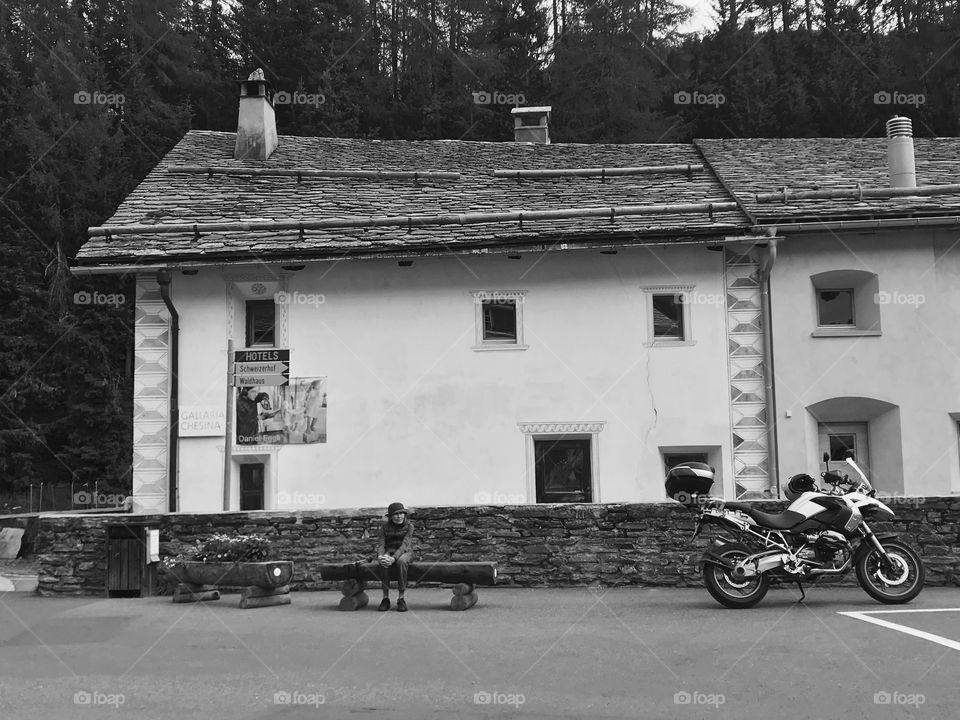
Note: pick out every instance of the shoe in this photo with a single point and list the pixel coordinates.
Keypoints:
(384, 605)
(401, 605)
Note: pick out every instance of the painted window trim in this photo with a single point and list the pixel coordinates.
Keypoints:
(679, 289)
(479, 296)
(554, 430)
(236, 297)
(843, 331)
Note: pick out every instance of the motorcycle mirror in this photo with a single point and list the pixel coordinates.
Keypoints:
(826, 457)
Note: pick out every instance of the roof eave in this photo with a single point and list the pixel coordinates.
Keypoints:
(711, 236)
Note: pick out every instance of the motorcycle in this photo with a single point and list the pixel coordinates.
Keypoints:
(823, 532)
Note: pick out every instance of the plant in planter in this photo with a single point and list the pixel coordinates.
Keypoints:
(239, 548)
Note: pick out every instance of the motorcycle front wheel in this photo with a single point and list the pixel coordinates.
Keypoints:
(737, 593)
(892, 580)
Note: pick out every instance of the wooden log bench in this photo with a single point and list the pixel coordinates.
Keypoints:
(465, 577)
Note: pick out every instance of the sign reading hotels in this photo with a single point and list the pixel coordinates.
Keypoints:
(261, 368)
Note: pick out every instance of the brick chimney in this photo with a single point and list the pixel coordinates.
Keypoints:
(530, 124)
(257, 124)
(900, 152)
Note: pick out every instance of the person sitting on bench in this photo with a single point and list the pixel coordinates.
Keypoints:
(396, 546)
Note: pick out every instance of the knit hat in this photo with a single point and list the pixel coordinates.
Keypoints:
(395, 508)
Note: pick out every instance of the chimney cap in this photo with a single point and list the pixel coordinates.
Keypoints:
(899, 126)
(540, 109)
(256, 84)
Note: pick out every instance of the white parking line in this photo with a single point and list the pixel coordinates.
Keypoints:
(940, 640)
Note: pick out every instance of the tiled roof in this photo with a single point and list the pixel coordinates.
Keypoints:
(165, 197)
(762, 165)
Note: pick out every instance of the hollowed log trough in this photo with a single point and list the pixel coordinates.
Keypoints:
(262, 583)
(465, 577)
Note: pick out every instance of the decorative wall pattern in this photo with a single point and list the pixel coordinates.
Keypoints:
(151, 407)
(549, 428)
(748, 410)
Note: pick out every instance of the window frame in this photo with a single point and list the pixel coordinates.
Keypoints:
(534, 431)
(249, 320)
(684, 291)
(541, 496)
(484, 297)
(853, 307)
(864, 286)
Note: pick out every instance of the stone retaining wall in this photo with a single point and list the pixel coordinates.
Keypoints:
(534, 545)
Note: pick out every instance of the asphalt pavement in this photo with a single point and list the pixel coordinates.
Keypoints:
(526, 653)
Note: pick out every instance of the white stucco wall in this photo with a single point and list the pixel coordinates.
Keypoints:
(415, 414)
(914, 364)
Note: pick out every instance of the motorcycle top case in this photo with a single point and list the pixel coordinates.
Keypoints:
(691, 478)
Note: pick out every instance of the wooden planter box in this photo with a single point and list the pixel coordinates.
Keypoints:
(269, 575)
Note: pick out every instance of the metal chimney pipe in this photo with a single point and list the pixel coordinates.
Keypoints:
(900, 152)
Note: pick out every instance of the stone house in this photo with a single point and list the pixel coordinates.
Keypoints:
(327, 322)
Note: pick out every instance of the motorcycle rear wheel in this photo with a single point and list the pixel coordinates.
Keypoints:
(893, 585)
(731, 592)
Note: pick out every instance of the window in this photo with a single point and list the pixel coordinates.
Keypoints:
(563, 470)
(846, 303)
(837, 438)
(499, 320)
(251, 486)
(261, 323)
(835, 307)
(673, 459)
(668, 315)
(562, 461)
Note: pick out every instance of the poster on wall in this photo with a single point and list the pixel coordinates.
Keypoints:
(294, 414)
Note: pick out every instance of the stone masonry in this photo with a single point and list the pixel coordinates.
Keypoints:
(534, 545)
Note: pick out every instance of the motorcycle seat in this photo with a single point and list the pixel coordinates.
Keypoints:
(779, 521)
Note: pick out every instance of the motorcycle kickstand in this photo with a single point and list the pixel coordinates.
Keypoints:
(803, 595)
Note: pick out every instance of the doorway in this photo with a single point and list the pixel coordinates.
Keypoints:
(251, 486)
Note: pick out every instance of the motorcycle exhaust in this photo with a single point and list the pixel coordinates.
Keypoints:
(757, 565)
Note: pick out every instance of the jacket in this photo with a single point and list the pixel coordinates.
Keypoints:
(396, 539)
